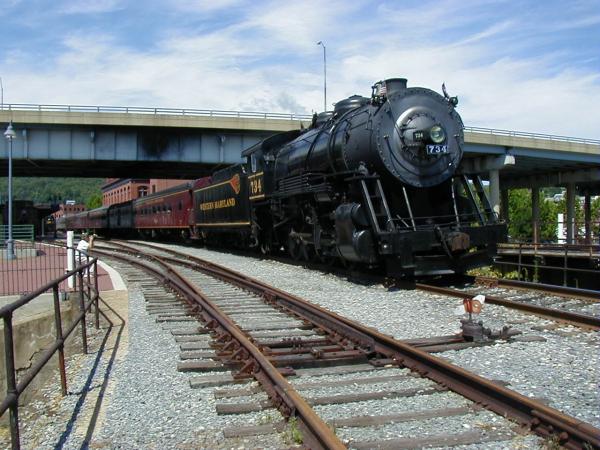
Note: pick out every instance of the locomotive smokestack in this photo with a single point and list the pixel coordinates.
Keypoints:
(393, 85)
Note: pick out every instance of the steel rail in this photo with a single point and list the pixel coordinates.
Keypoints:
(563, 291)
(316, 432)
(545, 421)
(580, 320)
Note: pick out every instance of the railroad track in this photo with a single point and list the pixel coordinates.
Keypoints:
(578, 307)
(563, 304)
(259, 332)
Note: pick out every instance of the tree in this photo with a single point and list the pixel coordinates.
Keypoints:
(596, 216)
(94, 201)
(520, 225)
(52, 190)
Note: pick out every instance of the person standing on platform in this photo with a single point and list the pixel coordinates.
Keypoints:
(83, 247)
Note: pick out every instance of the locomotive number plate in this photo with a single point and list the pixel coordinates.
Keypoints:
(436, 149)
(256, 185)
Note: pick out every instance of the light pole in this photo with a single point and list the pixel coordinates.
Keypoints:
(1, 94)
(324, 75)
(10, 134)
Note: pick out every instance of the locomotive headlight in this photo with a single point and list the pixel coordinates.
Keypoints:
(437, 134)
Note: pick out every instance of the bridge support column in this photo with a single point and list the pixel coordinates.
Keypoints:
(535, 214)
(587, 213)
(571, 213)
(495, 190)
(504, 205)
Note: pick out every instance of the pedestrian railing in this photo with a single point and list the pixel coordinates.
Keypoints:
(36, 264)
(540, 251)
(87, 294)
(155, 111)
(19, 232)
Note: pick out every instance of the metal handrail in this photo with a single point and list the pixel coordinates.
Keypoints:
(525, 134)
(538, 250)
(155, 111)
(24, 232)
(14, 386)
(255, 115)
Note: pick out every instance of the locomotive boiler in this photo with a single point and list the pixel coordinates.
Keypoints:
(374, 182)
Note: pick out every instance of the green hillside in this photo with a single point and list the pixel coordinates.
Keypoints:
(54, 190)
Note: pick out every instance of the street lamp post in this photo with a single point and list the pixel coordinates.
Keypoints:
(324, 75)
(10, 134)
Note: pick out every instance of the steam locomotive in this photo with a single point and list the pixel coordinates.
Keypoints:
(375, 182)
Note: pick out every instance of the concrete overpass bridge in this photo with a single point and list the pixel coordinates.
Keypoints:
(134, 142)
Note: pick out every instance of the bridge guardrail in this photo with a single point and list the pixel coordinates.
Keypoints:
(255, 115)
(155, 111)
(510, 133)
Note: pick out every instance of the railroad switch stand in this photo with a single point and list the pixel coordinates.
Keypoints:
(473, 331)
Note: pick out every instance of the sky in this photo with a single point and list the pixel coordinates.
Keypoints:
(519, 65)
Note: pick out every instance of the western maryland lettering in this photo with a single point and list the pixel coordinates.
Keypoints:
(224, 203)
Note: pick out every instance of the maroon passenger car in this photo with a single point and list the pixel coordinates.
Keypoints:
(164, 213)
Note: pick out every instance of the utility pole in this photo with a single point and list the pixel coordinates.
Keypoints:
(324, 75)
(10, 135)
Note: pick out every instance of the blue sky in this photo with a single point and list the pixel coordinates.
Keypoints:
(523, 65)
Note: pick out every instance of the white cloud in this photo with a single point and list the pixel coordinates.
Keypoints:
(89, 6)
(268, 60)
(204, 6)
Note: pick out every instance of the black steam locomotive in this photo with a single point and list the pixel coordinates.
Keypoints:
(373, 182)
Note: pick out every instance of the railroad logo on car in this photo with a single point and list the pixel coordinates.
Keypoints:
(224, 203)
(235, 183)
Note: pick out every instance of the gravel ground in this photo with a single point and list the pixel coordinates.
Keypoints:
(153, 405)
(564, 369)
(150, 405)
(451, 425)
(52, 421)
(538, 298)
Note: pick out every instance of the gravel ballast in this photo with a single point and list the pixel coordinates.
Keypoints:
(561, 369)
(153, 405)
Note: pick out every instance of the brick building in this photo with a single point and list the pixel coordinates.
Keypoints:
(68, 208)
(118, 190)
